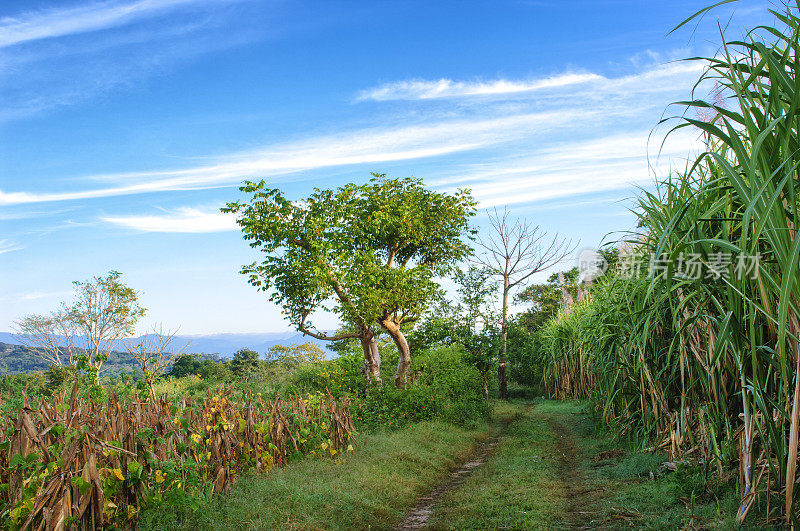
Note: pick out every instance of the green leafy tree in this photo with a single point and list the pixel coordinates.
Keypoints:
(546, 299)
(214, 371)
(245, 364)
(103, 311)
(185, 365)
(408, 235)
(308, 253)
(295, 355)
(471, 321)
(368, 253)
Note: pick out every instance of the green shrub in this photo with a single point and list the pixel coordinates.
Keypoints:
(442, 386)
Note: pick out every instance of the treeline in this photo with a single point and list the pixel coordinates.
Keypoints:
(16, 359)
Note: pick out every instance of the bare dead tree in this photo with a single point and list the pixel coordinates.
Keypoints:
(50, 337)
(514, 251)
(154, 352)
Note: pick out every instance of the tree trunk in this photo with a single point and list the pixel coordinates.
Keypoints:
(501, 369)
(152, 384)
(372, 358)
(404, 354)
(376, 360)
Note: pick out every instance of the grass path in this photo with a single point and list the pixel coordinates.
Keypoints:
(539, 465)
(418, 517)
(554, 469)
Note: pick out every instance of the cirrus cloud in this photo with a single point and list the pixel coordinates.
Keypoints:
(183, 220)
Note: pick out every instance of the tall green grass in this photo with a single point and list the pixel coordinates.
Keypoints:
(710, 367)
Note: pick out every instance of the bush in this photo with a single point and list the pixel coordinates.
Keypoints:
(12, 386)
(341, 376)
(442, 386)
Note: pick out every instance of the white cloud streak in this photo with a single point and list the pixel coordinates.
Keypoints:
(365, 146)
(7, 246)
(419, 89)
(44, 24)
(605, 104)
(576, 168)
(183, 220)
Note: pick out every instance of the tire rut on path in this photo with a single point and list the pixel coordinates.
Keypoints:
(419, 515)
(579, 497)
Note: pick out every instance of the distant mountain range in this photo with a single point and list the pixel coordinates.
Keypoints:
(223, 344)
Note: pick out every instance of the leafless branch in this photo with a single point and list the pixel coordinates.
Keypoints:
(50, 337)
(514, 252)
(154, 352)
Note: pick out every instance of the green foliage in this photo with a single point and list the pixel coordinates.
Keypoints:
(246, 364)
(214, 371)
(444, 386)
(295, 355)
(545, 299)
(185, 365)
(709, 360)
(341, 376)
(59, 376)
(20, 358)
(369, 253)
(470, 322)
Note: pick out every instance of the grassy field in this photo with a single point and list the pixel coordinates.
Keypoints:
(374, 487)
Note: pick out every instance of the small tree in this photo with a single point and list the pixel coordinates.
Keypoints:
(154, 352)
(245, 364)
(514, 251)
(368, 253)
(103, 311)
(50, 337)
(478, 323)
(296, 355)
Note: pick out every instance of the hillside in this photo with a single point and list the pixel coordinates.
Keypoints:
(18, 358)
(223, 344)
(15, 357)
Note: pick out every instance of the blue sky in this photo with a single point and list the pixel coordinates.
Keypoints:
(125, 125)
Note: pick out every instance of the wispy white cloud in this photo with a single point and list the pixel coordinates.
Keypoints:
(421, 89)
(184, 219)
(7, 246)
(594, 108)
(564, 170)
(34, 295)
(363, 146)
(570, 169)
(49, 23)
